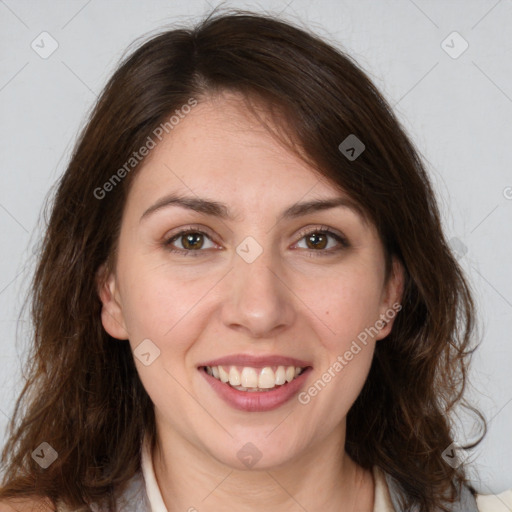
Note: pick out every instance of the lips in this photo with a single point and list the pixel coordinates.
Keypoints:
(253, 398)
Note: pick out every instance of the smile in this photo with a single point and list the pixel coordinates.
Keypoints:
(251, 379)
(255, 389)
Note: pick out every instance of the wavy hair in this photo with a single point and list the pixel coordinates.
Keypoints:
(83, 395)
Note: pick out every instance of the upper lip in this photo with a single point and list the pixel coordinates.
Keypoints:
(256, 361)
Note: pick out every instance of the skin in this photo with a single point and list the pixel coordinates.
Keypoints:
(291, 300)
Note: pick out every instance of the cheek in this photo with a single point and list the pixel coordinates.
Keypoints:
(347, 302)
(163, 306)
(354, 301)
(346, 353)
(166, 310)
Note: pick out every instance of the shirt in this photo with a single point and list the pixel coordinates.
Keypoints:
(142, 494)
(152, 500)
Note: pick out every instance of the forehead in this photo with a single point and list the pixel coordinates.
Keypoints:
(220, 146)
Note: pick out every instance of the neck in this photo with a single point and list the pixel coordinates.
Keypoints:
(323, 478)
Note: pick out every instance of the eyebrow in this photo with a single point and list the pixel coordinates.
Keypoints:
(220, 210)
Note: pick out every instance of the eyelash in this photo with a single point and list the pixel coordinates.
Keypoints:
(324, 230)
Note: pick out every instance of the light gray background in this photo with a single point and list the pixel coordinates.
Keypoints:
(458, 111)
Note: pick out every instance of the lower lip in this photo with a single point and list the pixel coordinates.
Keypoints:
(256, 401)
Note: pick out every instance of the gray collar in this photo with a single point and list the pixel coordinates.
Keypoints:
(466, 501)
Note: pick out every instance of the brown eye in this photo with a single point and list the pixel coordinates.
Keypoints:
(192, 241)
(316, 240)
(319, 241)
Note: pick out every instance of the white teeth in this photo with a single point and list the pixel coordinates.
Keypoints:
(249, 378)
(266, 379)
(234, 376)
(223, 374)
(254, 379)
(280, 376)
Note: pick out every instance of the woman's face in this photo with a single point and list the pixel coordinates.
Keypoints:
(266, 280)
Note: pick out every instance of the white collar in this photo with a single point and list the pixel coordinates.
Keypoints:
(153, 493)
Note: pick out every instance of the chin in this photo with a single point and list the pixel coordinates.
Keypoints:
(255, 453)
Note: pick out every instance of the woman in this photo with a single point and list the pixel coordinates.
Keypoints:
(244, 298)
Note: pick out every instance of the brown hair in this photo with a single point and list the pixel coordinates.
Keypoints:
(83, 395)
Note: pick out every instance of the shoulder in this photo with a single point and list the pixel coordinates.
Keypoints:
(132, 499)
(26, 505)
(36, 504)
(495, 502)
(387, 492)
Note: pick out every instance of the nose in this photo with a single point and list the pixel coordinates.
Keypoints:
(258, 301)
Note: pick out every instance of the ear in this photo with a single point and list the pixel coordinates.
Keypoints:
(391, 300)
(111, 312)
